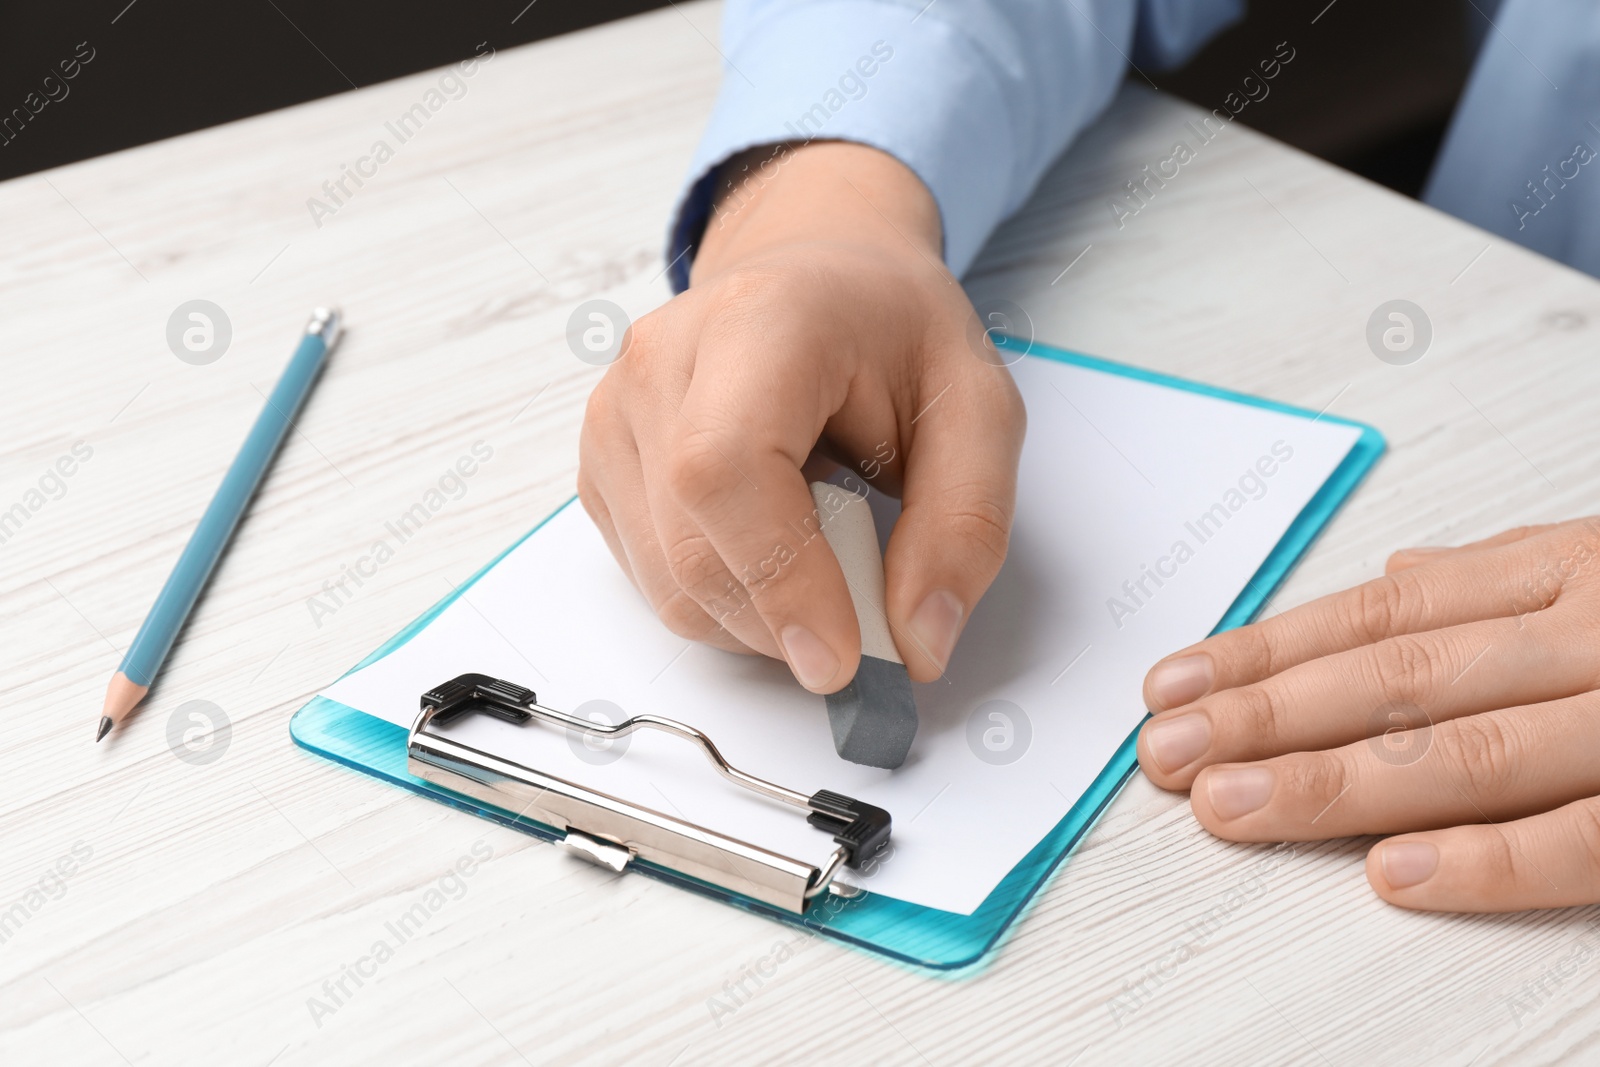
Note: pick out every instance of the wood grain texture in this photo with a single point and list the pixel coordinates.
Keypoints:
(216, 899)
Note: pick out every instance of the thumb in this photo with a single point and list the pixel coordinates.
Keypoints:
(959, 498)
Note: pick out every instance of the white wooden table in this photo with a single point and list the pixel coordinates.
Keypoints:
(206, 904)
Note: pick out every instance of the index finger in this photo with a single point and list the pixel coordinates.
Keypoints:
(736, 472)
(1448, 592)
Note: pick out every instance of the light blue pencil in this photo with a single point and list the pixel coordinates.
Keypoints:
(210, 538)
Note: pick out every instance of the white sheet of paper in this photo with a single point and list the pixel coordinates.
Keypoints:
(1116, 480)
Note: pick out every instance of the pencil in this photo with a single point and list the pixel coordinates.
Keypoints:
(210, 538)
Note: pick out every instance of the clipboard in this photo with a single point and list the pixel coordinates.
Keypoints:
(912, 934)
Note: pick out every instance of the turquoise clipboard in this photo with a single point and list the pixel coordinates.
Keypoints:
(910, 933)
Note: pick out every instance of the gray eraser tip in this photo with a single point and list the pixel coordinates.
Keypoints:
(874, 718)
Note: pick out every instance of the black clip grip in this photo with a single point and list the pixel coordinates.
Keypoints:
(860, 828)
(467, 693)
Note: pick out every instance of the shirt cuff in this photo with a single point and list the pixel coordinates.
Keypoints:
(864, 72)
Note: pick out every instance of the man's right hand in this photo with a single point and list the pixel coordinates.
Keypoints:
(821, 319)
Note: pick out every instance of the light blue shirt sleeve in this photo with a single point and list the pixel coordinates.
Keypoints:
(1520, 158)
(976, 97)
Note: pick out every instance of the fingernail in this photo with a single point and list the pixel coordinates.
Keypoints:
(1407, 863)
(1176, 743)
(935, 625)
(1180, 681)
(1239, 790)
(812, 661)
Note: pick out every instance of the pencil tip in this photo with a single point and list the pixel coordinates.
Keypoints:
(105, 728)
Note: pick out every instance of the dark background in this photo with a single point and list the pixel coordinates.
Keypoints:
(166, 67)
(1371, 87)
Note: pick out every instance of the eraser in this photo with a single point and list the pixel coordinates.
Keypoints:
(874, 718)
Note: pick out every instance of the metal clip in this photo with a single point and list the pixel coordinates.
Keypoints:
(598, 852)
(612, 832)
